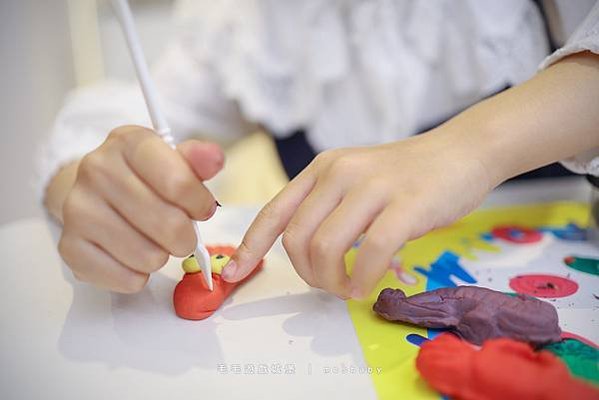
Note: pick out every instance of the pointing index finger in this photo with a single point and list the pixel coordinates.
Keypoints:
(267, 226)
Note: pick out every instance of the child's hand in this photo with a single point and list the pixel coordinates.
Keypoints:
(393, 193)
(400, 191)
(132, 204)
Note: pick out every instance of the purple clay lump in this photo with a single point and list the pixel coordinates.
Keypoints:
(474, 313)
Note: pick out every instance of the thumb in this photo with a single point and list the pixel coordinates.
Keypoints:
(205, 158)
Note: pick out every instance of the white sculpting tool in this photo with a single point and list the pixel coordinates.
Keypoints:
(123, 12)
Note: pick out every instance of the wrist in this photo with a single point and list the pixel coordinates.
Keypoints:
(486, 132)
(470, 140)
(549, 118)
(501, 136)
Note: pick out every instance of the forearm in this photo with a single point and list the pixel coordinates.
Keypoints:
(551, 117)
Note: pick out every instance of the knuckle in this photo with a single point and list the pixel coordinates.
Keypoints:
(179, 234)
(133, 283)
(75, 212)
(320, 248)
(70, 210)
(377, 243)
(305, 272)
(246, 254)
(68, 251)
(378, 186)
(325, 157)
(154, 259)
(65, 246)
(344, 163)
(289, 242)
(320, 159)
(325, 281)
(245, 249)
(178, 187)
(326, 259)
(332, 281)
(173, 223)
(328, 245)
(124, 132)
(119, 133)
(291, 237)
(270, 213)
(93, 165)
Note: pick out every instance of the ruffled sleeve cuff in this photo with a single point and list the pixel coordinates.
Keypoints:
(585, 38)
(192, 100)
(584, 163)
(87, 116)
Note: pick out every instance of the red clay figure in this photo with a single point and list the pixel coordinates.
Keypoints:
(500, 369)
(192, 298)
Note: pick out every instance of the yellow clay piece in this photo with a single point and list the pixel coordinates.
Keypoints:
(218, 261)
(190, 265)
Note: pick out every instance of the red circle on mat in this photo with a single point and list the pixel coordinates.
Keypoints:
(517, 234)
(547, 286)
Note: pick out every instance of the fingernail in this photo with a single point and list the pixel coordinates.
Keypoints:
(229, 270)
(218, 204)
(210, 213)
(343, 297)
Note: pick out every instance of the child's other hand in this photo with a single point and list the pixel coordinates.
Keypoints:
(393, 193)
(132, 205)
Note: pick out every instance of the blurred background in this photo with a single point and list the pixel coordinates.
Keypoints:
(37, 70)
(49, 47)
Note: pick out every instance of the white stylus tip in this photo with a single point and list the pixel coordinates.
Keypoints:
(203, 259)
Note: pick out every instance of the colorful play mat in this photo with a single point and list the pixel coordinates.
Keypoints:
(540, 250)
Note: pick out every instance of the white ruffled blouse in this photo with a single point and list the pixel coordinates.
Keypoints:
(348, 72)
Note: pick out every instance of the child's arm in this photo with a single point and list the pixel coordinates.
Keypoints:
(400, 191)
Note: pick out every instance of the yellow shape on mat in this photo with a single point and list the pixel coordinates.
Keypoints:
(383, 343)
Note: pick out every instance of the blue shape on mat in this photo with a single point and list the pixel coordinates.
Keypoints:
(487, 237)
(434, 332)
(440, 272)
(570, 232)
(416, 339)
(439, 276)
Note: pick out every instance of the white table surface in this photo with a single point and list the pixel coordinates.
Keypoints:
(61, 339)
